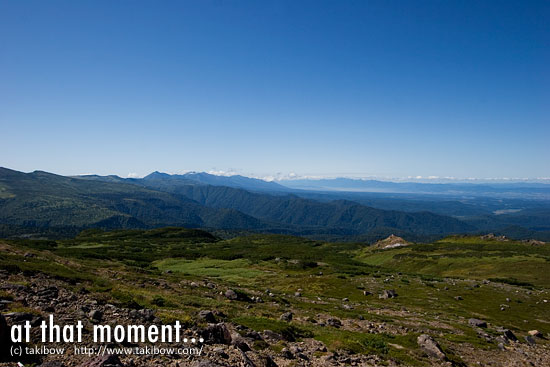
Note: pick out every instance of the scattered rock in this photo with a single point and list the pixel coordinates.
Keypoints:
(534, 242)
(387, 293)
(508, 334)
(296, 349)
(221, 353)
(287, 316)
(246, 361)
(147, 314)
(231, 294)
(254, 335)
(477, 322)
(287, 354)
(239, 342)
(269, 362)
(95, 315)
(205, 363)
(207, 316)
(48, 293)
(216, 334)
(52, 364)
(103, 361)
(491, 236)
(334, 322)
(459, 298)
(430, 346)
(536, 333)
(271, 335)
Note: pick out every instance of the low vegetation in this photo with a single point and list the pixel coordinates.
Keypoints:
(439, 286)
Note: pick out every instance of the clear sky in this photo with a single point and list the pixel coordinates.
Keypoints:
(349, 88)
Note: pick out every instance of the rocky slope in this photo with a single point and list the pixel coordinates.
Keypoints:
(274, 312)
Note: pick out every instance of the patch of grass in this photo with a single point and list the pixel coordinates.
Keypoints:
(351, 341)
(289, 331)
(125, 299)
(34, 265)
(228, 270)
(169, 317)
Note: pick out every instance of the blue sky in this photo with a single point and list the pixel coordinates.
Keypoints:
(325, 88)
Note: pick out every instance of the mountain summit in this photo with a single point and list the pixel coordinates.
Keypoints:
(237, 181)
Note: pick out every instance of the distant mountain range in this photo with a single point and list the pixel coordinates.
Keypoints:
(507, 190)
(199, 178)
(41, 201)
(238, 181)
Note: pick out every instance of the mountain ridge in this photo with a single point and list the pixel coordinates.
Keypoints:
(42, 199)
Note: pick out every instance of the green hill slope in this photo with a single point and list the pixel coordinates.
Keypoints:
(44, 200)
(41, 199)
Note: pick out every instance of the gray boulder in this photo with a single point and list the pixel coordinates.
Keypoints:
(271, 335)
(216, 334)
(231, 294)
(287, 354)
(239, 342)
(95, 315)
(287, 316)
(430, 346)
(387, 293)
(477, 322)
(536, 333)
(334, 322)
(207, 316)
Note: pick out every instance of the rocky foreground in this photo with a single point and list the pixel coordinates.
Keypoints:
(226, 344)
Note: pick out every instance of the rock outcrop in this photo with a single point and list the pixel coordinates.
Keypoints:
(392, 241)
